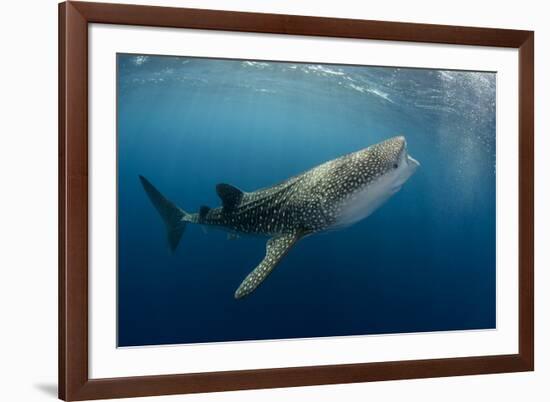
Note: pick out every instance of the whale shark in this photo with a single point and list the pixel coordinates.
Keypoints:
(333, 195)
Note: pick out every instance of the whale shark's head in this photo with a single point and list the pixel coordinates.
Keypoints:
(367, 178)
(387, 161)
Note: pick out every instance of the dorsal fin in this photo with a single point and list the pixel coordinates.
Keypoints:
(230, 195)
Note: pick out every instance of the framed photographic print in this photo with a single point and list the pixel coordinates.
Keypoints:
(259, 200)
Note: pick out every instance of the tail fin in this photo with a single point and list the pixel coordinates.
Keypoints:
(170, 213)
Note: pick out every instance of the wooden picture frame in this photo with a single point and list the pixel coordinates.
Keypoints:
(74, 381)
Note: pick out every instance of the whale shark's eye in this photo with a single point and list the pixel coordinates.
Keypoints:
(395, 165)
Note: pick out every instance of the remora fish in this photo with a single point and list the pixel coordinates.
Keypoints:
(335, 194)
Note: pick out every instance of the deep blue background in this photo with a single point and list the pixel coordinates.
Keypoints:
(425, 261)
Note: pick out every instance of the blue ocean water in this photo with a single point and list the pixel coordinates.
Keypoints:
(425, 261)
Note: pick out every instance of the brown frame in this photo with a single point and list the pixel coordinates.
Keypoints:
(74, 383)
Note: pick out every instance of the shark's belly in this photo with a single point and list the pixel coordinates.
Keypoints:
(363, 203)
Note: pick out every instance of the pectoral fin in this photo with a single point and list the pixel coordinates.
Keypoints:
(277, 247)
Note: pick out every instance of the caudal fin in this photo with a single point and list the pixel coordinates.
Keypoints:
(171, 214)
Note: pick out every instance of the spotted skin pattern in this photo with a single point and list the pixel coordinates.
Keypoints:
(276, 249)
(311, 201)
(319, 199)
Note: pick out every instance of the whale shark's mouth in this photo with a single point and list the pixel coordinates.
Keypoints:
(404, 154)
(412, 162)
